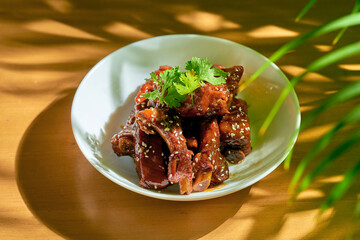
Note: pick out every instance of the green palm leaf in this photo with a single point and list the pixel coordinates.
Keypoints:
(326, 161)
(349, 20)
(357, 209)
(350, 91)
(317, 65)
(340, 188)
(351, 117)
(305, 10)
(339, 35)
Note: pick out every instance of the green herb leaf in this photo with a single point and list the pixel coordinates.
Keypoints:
(202, 68)
(152, 95)
(190, 83)
(174, 99)
(176, 85)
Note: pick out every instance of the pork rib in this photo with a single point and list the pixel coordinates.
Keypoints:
(148, 159)
(168, 126)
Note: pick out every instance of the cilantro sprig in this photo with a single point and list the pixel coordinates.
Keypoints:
(175, 86)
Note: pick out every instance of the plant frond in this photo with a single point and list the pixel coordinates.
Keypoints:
(339, 35)
(341, 187)
(326, 161)
(352, 116)
(350, 91)
(348, 20)
(305, 10)
(324, 61)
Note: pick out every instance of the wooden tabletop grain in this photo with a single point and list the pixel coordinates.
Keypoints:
(50, 191)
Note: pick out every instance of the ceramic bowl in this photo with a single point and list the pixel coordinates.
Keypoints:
(106, 95)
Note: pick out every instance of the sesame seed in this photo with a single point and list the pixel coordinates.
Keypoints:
(170, 175)
(167, 129)
(232, 134)
(213, 140)
(144, 144)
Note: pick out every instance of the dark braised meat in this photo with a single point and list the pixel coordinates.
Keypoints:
(149, 162)
(210, 122)
(169, 127)
(233, 80)
(235, 129)
(207, 100)
(234, 156)
(191, 142)
(209, 164)
(123, 143)
(141, 102)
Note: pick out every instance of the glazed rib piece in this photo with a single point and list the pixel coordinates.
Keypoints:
(210, 166)
(123, 143)
(169, 127)
(235, 131)
(191, 142)
(207, 100)
(149, 162)
(233, 80)
(141, 102)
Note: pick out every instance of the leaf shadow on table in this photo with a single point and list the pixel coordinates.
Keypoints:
(69, 196)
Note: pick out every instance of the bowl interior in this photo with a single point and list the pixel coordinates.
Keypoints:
(105, 98)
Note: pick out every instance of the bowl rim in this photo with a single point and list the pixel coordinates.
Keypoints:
(201, 195)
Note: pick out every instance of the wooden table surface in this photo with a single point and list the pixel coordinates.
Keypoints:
(50, 191)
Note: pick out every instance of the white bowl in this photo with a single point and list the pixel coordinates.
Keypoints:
(105, 98)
